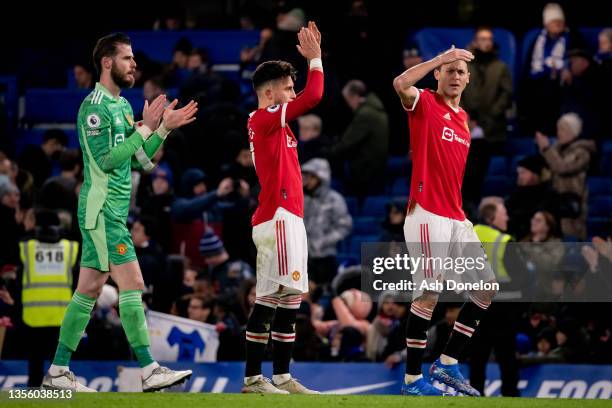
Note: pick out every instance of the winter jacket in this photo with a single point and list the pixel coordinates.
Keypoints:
(326, 215)
(569, 164)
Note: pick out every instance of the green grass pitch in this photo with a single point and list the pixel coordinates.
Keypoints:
(187, 400)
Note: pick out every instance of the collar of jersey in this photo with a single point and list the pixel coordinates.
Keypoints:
(106, 92)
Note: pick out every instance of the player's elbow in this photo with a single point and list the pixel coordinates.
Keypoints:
(398, 83)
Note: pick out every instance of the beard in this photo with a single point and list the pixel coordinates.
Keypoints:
(120, 79)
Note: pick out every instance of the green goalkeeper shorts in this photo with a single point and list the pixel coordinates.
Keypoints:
(110, 241)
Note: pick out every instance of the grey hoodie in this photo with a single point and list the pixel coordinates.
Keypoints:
(326, 216)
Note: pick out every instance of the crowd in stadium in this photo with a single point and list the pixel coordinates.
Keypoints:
(191, 216)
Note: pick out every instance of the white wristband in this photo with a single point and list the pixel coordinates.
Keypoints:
(162, 131)
(144, 131)
(316, 63)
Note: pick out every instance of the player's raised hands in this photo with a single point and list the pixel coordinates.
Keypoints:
(152, 113)
(315, 30)
(308, 45)
(455, 54)
(175, 118)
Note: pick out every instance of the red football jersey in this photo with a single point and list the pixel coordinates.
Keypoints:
(440, 141)
(274, 151)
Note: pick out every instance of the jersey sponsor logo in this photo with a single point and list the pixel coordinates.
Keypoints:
(296, 275)
(447, 116)
(273, 108)
(93, 121)
(121, 249)
(449, 135)
(119, 138)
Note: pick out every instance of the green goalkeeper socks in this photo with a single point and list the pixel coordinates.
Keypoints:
(75, 321)
(135, 325)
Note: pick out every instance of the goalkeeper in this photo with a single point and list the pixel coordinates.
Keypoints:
(112, 145)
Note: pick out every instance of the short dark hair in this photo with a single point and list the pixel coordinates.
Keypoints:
(150, 226)
(107, 47)
(272, 71)
(356, 87)
(69, 158)
(57, 134)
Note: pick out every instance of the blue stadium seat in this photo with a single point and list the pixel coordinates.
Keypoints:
(351, 204)
(356, 240)
(598, 226)
(600, 206)
(606, 146)
(9, 94)
(34, 137)
(498, 166)
(62, 105)
(496, 186)
(514, 164)
(432, 41)
(398, 166)
(528, 39)
(600, 186)
(591, 37)
(520, 147)
(606, 164)
(223, 47)
(400, 186)
(366, 225)
(375, 206)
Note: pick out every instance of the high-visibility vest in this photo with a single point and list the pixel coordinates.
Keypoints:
(494, 243)
(47, 280)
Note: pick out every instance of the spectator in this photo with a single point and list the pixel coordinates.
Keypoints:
(199, 308)
(280, 43)
(226, 274)
(38, 160)
(364, 144)
(246, 301)
(530, 195)
(597, 281)
(231, 343)
(152, 88)
(326, 219)
(193, 210)
(83, 76)
(582, 92)
(568, 160)
(411, 57)
(490, 90)
(546, 61)
(543, 260)
(383, 323)
(59, 192)
(393, 226)
(311, 141)
(176, 73)
(150, 258)
(604, 58)
(198, 61)
(157, 205)
(9, 209)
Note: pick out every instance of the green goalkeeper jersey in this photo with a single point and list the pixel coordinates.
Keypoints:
(111, 148)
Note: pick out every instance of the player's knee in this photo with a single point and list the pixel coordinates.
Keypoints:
(260, 319)
(91, 289)
(284, 320)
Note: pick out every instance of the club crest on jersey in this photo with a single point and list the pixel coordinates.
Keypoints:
(93, 121)
(121, 249)
(273, 108)
(291, 142)
(296, 276)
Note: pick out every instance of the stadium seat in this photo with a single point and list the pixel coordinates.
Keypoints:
(400, 186)
(600, 186)
(431, 41)
(357, 240)
(366, 225)
(514, 164)
(498, 166)
(591, 37)
(528, 39)
(600, 206)
(398, 166)
(598, 226)
(351, 204)
(496, 186)
(34, 137)
(606, 146)
(223, 47)
(62, 105)
(520, 146)
(606, 164)
(375, 206)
